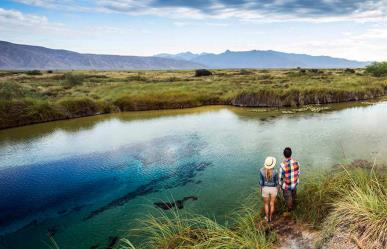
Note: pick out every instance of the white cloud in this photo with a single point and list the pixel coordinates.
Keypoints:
(17, 17)
(367, 46)
(262, 11)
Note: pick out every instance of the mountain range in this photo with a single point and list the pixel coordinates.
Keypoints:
(27, 57)
(264, 59)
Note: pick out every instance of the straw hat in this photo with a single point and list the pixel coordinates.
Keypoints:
(270, 162)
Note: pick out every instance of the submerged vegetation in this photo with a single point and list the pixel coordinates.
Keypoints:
(37, 96)
(349, 202)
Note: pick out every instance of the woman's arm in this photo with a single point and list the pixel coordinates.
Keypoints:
(261, 179)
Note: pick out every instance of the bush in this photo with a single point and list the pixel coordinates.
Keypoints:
(315, 71)
(202, 72)
(73, 79)
(50, 71)
(137, 77)
(377, 69)
(349, 70)
(302, 71)
(264, 77)
(245, 72)
(34, 72)
(10, 90)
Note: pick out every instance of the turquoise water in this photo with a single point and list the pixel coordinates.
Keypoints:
(85, 180)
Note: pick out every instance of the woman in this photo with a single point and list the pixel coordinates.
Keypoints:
(268, 180)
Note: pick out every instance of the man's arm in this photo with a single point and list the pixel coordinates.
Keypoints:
(299, 172)
(280, 175)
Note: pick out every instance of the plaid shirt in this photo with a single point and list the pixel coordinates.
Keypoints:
(289, 173)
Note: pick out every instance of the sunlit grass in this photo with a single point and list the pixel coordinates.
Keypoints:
(361, 210)
(177, 230)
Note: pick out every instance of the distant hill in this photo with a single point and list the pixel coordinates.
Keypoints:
(26, 57)
(180, 56)
(267, 59)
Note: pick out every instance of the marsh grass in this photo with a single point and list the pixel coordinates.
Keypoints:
(177, 230)
(151, 90)
(325, 190)
(361, 210)
(349, 200)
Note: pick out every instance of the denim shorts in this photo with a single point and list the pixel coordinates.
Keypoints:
(267, 191)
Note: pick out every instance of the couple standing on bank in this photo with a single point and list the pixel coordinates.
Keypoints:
(286, 179)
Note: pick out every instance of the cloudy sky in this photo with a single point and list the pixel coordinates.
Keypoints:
(342, 28)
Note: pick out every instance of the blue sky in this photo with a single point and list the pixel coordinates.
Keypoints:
(351, 29)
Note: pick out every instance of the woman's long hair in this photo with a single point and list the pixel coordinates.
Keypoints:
(269, 174)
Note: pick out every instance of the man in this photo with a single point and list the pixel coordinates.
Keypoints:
(289, 173)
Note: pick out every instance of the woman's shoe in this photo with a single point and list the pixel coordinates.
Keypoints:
(266, 219)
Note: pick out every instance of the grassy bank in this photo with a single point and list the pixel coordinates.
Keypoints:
(33, 97)
(350, 201)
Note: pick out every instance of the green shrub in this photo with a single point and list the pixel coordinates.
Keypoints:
(34, 72)
(202, 72)
(172, 79)
(349, 70)
(137, 77)
(264, 77)
(315, 71)
(72, 79)
(245, 72)
(10, 90)
(377, 69)
(302, 71)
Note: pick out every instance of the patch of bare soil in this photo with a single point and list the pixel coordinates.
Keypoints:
(291, 235)
(343, 241)
(295, 235)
